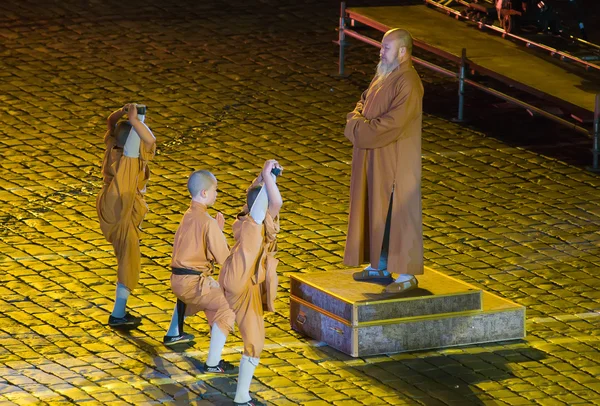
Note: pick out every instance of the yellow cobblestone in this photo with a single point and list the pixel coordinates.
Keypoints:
(226, 93)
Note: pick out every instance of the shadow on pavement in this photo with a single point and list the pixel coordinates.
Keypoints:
(208, 389)
(449, 379)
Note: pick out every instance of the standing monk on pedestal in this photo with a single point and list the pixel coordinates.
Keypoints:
(121, 207)
(385, 223)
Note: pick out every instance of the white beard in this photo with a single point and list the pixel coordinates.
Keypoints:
(384, 69)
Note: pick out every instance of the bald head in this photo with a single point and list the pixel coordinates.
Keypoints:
(396, 48)
(401, 38)
(199, 181)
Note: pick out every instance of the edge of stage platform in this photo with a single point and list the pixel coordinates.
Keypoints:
(355, 318)
(338, 293)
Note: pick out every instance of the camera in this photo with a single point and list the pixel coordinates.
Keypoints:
(141, 109)
(276, 171)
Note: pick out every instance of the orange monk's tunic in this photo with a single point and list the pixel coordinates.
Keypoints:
(385, 130)
(121, 206)
(249, 277)
(199, 243)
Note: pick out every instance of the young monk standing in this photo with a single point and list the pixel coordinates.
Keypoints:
(249, 275)
(199, 243)
(121, 207)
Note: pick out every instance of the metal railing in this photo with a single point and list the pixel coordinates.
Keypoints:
(463, 80)
(530, 44)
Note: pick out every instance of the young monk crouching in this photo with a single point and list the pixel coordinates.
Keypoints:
(199, 243)
(249, 275)
(130, 145)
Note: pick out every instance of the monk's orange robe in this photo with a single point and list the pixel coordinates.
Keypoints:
(249, 277)
(199, 244)
(385, 130)
(121, 206)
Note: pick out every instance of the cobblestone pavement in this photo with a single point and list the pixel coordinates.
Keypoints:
(229, 84)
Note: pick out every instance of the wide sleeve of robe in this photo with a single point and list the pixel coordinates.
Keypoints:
(389, 127)
(269, 286)
(216, 242)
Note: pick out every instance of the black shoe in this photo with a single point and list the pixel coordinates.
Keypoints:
(127, 321)
(372, 275)
(223, 367)
(180, 339)
(251, 402)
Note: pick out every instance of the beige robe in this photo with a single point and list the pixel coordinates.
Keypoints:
(121, 206)
(385, 130)
(249, 278)
(198, 244)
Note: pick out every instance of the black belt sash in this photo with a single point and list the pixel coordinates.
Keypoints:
(184, 271)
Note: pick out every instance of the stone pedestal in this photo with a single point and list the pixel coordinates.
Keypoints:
(357, 319)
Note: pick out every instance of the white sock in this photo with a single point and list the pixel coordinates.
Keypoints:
(174, 327)
(132, 145)
(120, 301)
(217, 342)
(259, 208)
(403, 278)
(247, 367)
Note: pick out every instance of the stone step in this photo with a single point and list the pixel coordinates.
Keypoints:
(331, 316)
(358, 302)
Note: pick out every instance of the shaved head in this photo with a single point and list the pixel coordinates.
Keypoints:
(396, 47)
(401, 38)
(199, 181)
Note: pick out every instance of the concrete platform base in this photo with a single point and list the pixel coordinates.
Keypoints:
(357, 319)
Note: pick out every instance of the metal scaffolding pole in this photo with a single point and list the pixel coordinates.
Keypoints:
(596, 136)
(342, 36)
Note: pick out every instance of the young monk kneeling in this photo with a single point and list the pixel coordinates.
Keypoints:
(199, 244)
